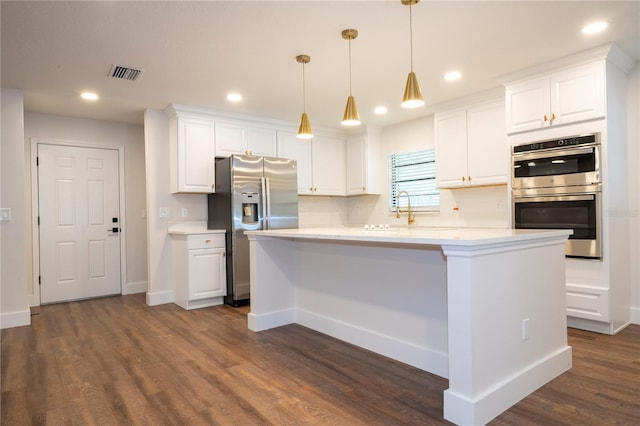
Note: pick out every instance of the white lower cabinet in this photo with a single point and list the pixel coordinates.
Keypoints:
(199, 270)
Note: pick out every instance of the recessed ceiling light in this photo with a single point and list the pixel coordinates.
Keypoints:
(89, 96)
(595, 27)
(452, 76)
(234, 97)
(380, 110)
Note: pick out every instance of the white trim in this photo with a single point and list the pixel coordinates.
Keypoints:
(417, 356)
(463, 411)
(159, 297)
(134, 288)
(34, 297)
(635, 316)
(269, 320)
(15, 319)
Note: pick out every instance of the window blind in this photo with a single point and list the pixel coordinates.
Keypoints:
(414, 172)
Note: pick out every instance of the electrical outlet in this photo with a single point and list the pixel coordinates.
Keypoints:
(5, 214)
(185, 212)
(525, 329)
(164, 212)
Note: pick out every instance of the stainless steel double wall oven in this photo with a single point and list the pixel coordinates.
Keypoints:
(556, 184)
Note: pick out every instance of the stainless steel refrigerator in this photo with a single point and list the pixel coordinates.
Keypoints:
(252, 193)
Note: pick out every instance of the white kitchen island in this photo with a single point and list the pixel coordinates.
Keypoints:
(484, 308)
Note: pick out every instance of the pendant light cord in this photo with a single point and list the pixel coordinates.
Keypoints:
(411, 35)
(350, 94)
(304, 94)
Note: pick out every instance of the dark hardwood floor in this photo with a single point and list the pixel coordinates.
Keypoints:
(116, 361)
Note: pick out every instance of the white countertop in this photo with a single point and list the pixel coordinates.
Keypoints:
(194, 227)
(416, 235)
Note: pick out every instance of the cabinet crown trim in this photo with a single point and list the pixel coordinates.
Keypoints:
(610, 52)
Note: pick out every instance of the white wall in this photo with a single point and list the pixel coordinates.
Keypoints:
(104, 134)
(156, 141)
(478, 207)
(14, 306)
(633, 132)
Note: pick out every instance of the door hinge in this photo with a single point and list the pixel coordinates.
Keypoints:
(38, 220)
(39, 280)
(37, 161)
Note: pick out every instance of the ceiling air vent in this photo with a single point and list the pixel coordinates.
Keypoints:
(120, 72)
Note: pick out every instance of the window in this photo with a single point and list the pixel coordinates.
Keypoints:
(414, 172)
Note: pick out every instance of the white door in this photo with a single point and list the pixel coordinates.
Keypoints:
(78, 208)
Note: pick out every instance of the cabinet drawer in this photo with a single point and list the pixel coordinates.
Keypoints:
(202, 241)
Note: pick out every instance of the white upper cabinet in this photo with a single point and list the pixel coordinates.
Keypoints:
(192, 147)
(239, 138)
(291, 147)
(321, 163)
(568, 96)
(471, 146)
(329, 164)
(363, 163)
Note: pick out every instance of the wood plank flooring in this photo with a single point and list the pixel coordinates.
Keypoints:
(116, 361)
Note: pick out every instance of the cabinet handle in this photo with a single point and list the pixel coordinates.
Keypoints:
(545, 118)
(553, 117)
(207, 241)
(364, 189)
(213, 186)
(463, 179)
(469, 177)
(224, 254)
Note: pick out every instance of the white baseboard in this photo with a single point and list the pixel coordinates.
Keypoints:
(408, 353)
(134, 288)
(461, 410)
(15, 319)
(635, 316)
(159, 297)
(271, 319)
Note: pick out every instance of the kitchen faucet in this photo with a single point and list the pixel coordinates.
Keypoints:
(410, 217)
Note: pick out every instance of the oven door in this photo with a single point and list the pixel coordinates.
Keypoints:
(578, 212)
(556, 167)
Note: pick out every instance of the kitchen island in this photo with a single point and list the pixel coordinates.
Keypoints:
(484, 308)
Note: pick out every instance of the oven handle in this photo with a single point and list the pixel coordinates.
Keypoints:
(543, 198)
(554, 153)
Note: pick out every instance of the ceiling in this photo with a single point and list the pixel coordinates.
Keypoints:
(194, 53)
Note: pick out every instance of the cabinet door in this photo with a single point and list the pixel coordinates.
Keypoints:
(356, 165)
(528, 105)
(261, 141)
(290, 146)
(487, 147)
(194, 162)
(230, 139)
(451, 149)
(328, 168)
(207, 273)
(578, 94)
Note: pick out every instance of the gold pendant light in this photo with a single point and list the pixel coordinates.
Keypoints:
(304, 129)
(351, 116)
(412, 95)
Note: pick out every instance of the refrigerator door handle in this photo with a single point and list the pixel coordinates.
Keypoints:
(266, 202)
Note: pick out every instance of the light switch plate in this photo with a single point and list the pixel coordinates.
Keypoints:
(5, 214)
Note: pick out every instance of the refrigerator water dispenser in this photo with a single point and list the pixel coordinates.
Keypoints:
(250, 202)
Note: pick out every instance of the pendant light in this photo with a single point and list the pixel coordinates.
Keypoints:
(412, 96)
(351, 116)
(304, 129)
